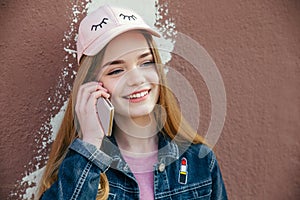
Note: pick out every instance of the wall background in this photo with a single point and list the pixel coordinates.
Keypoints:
(256, 46)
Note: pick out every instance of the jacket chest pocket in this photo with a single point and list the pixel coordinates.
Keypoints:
(189, 192)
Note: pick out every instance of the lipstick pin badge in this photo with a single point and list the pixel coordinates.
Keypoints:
(182, 178)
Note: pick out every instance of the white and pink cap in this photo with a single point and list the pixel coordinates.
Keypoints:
(105, 23)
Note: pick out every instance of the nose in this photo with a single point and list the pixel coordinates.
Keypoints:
(135, 77)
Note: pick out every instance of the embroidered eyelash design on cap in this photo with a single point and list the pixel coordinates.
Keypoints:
(100, 24)
(128, 16)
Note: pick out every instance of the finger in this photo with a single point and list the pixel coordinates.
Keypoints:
(89, 87)
(85, 90)
(88, 104)
(95, 95)
(83, 95)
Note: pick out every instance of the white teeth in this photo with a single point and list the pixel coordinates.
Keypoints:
(138, 95)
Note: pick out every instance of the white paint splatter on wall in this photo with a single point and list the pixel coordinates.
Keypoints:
(156, 15)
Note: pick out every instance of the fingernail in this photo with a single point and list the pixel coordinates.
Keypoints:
(100, 83)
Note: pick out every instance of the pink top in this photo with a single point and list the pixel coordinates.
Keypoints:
(142, 167)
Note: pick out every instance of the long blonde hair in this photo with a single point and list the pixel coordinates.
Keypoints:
(175, 125)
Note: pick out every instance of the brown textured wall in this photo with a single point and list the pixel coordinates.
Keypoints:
(255, 44)
(32, 55)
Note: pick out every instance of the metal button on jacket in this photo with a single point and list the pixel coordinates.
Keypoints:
(161, 167)
(126, 168)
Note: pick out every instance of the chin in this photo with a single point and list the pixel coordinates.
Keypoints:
(141, 114)
(136, 112)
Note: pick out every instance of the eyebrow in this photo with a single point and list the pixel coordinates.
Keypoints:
(117, 62)
(145, 55)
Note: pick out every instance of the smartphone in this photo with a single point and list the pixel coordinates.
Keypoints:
(105, 114)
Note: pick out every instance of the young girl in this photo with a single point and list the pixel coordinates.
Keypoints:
(152, 152)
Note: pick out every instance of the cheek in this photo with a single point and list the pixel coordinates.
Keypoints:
(152, 77)
(109, 85)
(114, 87)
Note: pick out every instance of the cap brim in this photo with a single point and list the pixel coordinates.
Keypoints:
(100, 42)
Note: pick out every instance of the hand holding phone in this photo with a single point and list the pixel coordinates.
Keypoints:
(105, 114)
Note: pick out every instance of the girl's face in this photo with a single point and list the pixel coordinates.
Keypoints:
(129, 73)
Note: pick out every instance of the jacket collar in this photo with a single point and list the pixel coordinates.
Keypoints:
(167, 150)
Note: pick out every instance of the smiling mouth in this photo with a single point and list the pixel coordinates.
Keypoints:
(138, 94)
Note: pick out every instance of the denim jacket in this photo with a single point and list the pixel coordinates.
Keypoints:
(185, 171)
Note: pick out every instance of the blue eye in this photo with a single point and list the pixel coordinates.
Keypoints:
(114, 72)
(148, 64)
